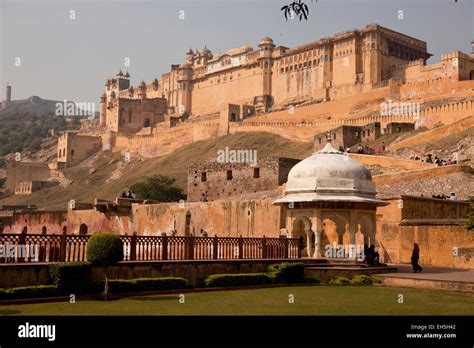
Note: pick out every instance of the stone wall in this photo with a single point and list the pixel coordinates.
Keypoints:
(17, 171)
(436, 225)
(212, 181)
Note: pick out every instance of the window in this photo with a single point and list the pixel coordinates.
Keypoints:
(319, 140)
(203, 177)
(368, 133)
(229, 175)
(72, 152)
(256, 173)
(334, 136)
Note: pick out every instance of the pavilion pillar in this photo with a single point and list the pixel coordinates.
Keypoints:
(352, 231)
(318, 228)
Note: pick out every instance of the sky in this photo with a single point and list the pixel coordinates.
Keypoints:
(49, 51)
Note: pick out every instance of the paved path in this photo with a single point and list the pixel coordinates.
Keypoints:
(433, 273)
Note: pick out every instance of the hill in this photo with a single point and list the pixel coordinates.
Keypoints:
(107, 174)
(25, 123)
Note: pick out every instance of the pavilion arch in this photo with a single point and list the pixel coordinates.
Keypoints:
(146, 122)
(334, 228)
(302, 229)
(365, 226)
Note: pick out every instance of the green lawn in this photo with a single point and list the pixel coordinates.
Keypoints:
(308, 300)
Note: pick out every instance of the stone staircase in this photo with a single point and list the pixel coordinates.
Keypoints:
(326, 269)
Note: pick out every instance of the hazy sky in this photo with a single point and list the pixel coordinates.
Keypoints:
(63, 58)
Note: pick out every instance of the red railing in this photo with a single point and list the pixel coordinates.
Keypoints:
(19, 248)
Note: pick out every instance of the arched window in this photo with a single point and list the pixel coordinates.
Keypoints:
(44, 230)
(83, 229)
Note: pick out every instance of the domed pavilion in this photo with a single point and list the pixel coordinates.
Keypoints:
(330, 200)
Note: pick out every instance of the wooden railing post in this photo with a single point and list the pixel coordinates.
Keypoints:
(133, 247)
(164, 254)
(298, 244)
(264, 247)
(190, 244)
(21, 247)
(241, 247)
(285, 243)
(215, 245)
(62, 248)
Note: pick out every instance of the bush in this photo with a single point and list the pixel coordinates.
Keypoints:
(71, 277)
(29, 292)
(287, 272)
(244, 279)
(147, 284)
(340, 281)
(362, 279)
(160, 188)
(104, 249)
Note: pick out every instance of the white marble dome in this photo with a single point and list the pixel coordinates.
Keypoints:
(332, 176)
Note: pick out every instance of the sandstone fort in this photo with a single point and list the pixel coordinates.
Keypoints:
(337, 92)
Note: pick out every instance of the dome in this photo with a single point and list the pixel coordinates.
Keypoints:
(331, 176)
(266, 40)
(205, 50)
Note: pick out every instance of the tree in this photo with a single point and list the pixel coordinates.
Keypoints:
(299, 8)
(104, 249)
(160, 188)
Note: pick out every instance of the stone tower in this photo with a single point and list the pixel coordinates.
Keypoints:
(8, 96)
(266, 50)
(185, 85)
(103, 110)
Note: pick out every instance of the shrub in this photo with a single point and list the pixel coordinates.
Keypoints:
(147, 284)
(29, 292)
(160, 188)
(362, 279)
(287, 272)
(340, 281)
(104, 249)
(244, 279)
(71, 277)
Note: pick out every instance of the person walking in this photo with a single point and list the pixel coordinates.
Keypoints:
(415, 256)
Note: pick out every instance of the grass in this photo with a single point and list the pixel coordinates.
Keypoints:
(308, 300)
(86, 186)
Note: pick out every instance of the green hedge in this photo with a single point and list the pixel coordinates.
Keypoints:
(360, 279)
(340, 281)
(244, 279)
(29, 292)
(287, 272)
(104, 249)
(147, 284)
(71, 277)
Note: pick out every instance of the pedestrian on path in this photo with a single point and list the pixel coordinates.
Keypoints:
(415, 256)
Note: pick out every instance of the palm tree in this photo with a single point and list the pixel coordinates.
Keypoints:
(299, 8)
